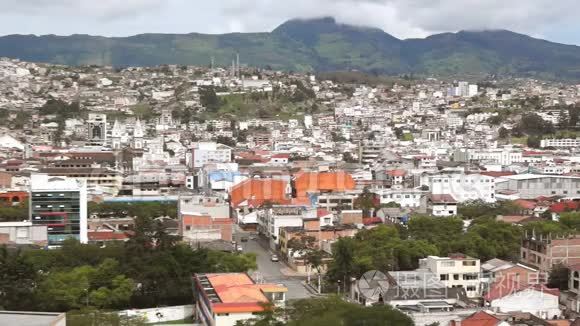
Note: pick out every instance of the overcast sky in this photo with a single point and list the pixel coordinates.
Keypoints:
(556, 20)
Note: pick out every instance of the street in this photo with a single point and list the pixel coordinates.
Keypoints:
(270, 272)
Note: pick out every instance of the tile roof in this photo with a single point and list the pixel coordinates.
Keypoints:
(445, 198)
(258, 191)
(323, 181)
(480, 318)
(238, 293)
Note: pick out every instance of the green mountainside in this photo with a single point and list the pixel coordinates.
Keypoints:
(317, 44)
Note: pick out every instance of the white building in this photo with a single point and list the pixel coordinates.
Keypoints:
(560, 143)
(60, 203)
(462, 187)
(204, 153)
(403, 197)
(456, 271)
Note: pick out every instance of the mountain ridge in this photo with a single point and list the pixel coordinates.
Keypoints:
(319, 44)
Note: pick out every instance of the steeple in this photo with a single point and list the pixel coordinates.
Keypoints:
(138, 130)
(117, 129)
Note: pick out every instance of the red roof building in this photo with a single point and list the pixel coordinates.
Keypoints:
(259, 191)
(323, 182)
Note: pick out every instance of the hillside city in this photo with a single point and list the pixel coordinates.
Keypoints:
(206, 195)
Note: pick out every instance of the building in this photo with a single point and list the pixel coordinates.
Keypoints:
(560, 143)
(456, 271)
(442, 205)
(60, 203)
(404, 197)
(463, 187)
(29, 318)
(97, 129)
(544, 252)
(23, 233)
(204, 218)
(225, 299)
(204, 153)
(408, 291)
(532, 186)
(323, 182)
(537, 300)
(271, 220)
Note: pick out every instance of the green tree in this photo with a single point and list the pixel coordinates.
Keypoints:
(17, 281)
(558, 277)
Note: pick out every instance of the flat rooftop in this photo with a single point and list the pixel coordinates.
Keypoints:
(26, 318)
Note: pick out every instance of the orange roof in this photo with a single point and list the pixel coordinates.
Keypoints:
(323, 181)
(239, 293)
(258, 190)
(480, 318)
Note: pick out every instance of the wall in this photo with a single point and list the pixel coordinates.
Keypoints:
(168, 313)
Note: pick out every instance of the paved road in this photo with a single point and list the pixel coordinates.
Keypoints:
(269, 271)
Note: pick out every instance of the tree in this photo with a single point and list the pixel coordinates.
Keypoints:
(17, 281)
(503, 133)
(558, 277)
(91, 316)
(228, 141)
(209, 99)
(367, 201)
(334, 311)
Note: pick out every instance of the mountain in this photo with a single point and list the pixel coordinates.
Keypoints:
(315, 44)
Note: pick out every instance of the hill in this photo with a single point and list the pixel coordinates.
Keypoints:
(316, 44)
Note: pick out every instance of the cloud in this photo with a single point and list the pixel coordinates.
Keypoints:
(401, 18)
(412, 18)
(96, 9)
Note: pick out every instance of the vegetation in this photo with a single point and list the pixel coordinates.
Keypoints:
(141, 209)
(149, 270)
(330, 311)
(9, 213)
(316, 45)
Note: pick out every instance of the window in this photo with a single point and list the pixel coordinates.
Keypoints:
(470, 277)
(444, 277)
(456, 277)
(448, 264)
(188, 228)
(469, 263)
(470, 288)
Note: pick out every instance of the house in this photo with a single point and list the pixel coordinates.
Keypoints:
(228, 298)
(442, 205)
(457, 270)
(204, 218)
(480, 318)
(497, 270)
(271, 220)
(538, 300)
(419, 290)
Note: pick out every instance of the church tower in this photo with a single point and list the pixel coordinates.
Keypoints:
(138, 134)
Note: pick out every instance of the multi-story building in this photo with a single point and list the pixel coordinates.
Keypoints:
(531, 186)
(463, 187)
(204, 153)
(271, 220)
(545, 252)
(23, 233)
(60, 203)
(455, 271)
(403, 197)
(229, 298)
(560, 143)
(204, 218)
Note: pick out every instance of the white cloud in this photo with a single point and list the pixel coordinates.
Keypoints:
(401, 18)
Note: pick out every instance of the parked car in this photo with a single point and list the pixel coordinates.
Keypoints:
(240, 249)
(274, 258)
(244, 239)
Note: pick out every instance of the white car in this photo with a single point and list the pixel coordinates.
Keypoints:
(274, 258)
(240, 249)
